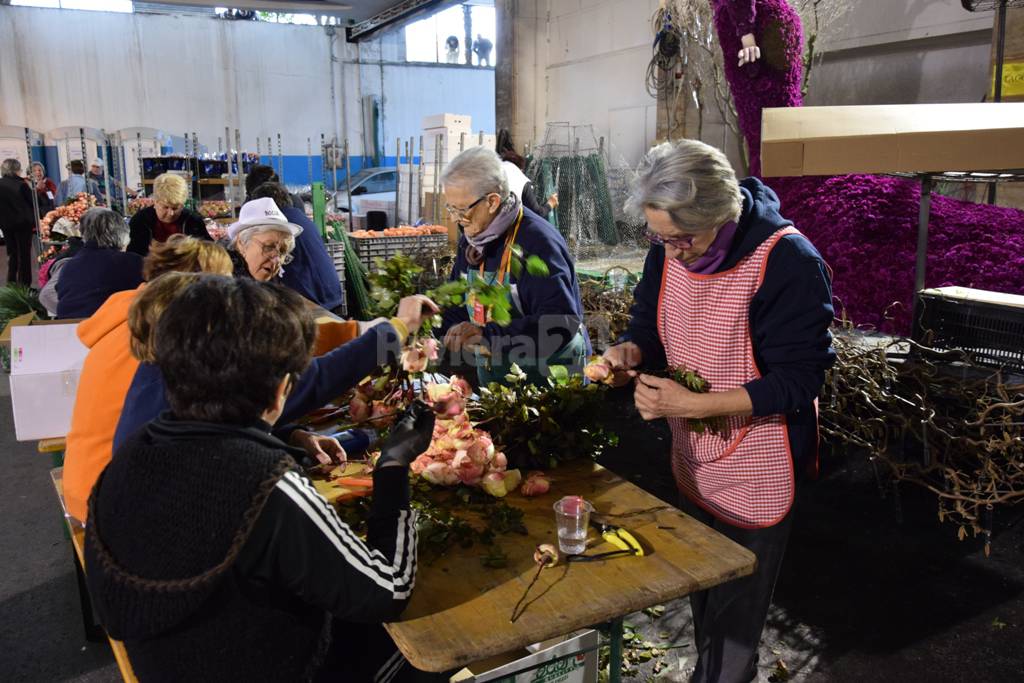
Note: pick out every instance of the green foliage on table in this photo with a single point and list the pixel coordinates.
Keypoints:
(541, 426)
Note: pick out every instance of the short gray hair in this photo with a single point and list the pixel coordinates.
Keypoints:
(245, 235)
(692, 181)
(105, 228)
(480, 169)
(10, 167)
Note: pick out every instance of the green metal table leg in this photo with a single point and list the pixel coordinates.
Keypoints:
(57, 458)
(615, 651)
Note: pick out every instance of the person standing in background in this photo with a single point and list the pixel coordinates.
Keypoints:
(77, 182)
(482, 47)
(167, 216)
(16, 221)
(46, 189)
(452, 45)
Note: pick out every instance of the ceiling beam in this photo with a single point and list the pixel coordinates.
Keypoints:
(399, 12)
(326, 7)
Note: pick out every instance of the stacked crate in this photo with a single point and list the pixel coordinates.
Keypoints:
(336, 250)
(369, 249)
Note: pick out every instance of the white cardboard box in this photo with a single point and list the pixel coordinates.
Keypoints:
(556, 664)
(457, 121)
(46, 361)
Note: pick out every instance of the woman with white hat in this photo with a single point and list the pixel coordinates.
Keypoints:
(261, 241)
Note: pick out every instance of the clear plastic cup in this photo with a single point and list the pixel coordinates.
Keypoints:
(572, 517)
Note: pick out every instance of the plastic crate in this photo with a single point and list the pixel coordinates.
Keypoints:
(989, 325)
(369, 249)
(336, 250)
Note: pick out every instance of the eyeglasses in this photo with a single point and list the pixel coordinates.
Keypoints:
(677, 242)
(269, 250)
(456, 212)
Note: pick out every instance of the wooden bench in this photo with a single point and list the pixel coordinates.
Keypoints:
(77, 533)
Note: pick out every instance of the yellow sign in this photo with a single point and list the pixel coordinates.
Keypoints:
(1013, 81)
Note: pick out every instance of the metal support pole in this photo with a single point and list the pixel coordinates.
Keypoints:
(398, 176)
(241, 166)
(270, 151)
(280, 161)
(229, 194)
(188, 164)
(419, 185)
(35, 196)
(309, 160)
(922, 237)
(1000, 56)
(258, 151)
(122, 170)
(437, 181)
(138, 160)
(106, 169)
(194, 169)
(85, 154)
(348, 185)
(615, 650)
(409, 151)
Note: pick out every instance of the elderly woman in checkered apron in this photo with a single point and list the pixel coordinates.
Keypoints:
(732, 291)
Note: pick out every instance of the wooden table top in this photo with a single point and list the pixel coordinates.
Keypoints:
(460, 610)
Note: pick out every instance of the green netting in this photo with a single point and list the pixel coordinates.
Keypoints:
(584, 212)
(355, 279)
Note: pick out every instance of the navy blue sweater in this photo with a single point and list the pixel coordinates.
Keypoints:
(92, 275)
(327, 377)
(311, 272)
(551, 306)
(789, 318)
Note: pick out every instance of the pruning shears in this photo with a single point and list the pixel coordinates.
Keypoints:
(625, 542)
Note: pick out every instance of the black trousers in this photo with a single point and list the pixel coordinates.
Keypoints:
(728, 619)
(19, 256)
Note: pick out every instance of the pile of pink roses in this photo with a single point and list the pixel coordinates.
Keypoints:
(461, 453)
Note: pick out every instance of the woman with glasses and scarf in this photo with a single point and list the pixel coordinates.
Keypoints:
(547, 316)
(733, 291)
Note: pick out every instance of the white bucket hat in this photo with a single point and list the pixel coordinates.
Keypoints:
(262, 212)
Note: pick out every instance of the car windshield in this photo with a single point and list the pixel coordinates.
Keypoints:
(362, 175)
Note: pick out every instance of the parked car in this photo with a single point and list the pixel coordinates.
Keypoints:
(373, 189)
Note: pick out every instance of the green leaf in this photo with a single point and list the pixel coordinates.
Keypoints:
(559, 373)
(536, 267)
(516, 268)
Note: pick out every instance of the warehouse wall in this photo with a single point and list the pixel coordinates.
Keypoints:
(584, 61)
(188, 73)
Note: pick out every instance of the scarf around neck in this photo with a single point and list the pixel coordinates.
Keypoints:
(710, 260)
(503, 220)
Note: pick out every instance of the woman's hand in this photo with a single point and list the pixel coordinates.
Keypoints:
(463, 335)
(750, 52)
(412, 310)
(553, 200)
(659, 397)
(622, 357)
(325, 449)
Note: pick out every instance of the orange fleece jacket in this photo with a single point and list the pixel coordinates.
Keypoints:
(106, 375)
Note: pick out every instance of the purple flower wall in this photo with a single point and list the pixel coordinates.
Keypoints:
(866, 226)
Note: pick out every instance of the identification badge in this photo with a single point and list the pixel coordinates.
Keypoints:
(479, 313)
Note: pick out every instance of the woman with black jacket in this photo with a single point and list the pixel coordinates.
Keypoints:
(208, 552)
(167, 216)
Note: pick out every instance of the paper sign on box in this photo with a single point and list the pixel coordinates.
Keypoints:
(46, 361)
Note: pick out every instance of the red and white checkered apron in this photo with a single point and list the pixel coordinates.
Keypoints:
(743, 476)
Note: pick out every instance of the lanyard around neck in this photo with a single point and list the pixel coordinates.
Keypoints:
(506, 256)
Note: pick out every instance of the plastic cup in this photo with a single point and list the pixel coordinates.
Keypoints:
(572, 517)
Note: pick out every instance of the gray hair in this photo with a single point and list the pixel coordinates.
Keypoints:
(245, 236)
(692, 181)
(480, 169)
(10, 167)
(105, 228)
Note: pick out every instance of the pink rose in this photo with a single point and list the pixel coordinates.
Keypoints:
(499, 461)
(359, 409)
(384, 412)
(429, 348)
(421, 463)
(598, 370)
(462, 387)
(414, 360)
(440, 474)
(498, 484)
(536, 484)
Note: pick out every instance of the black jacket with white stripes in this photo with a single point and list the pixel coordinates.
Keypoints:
(214, 558)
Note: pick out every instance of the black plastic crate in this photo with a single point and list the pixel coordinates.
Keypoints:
(212, 168)
(992, 333)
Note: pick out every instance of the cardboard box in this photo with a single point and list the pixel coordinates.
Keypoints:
(557, 665)
(456, 121)
(46, 361)
(909, 138)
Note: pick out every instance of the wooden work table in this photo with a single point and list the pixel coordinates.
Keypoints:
(460, 610)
